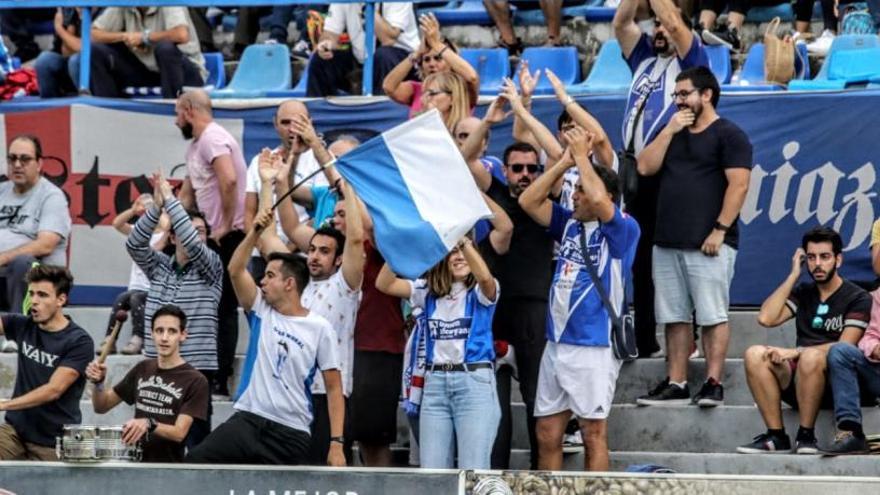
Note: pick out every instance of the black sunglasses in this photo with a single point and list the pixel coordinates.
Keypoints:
(517, 168)
(436, 58)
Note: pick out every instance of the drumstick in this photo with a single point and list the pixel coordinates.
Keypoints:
(120, 318)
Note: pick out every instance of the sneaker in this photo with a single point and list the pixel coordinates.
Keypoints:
(505, 355)
(806, 446)
(133, 346)
(767, 444)
(822, 44)
(711, 394)
(723, 36)
(666, 394)
(301, 50)
(100, 348)
(845, 443)
(695, 353)
(572, 443)
(220, 392)
(9, 346)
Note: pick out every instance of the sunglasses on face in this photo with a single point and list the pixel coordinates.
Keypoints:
(532, 168)
(819, 319)
(434, 92)
(22, 159)
(435, 58)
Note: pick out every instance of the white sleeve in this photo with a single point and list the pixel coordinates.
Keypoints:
(418, 293)
(397, 14)
(253, 176)
(325, 354)
(335, 20)
(485, 301)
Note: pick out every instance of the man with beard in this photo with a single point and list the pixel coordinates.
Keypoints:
(655, 62)
(53, 355)
(704, 163)
(827, 310)
(216, 177)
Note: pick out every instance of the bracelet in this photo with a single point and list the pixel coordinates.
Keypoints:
(720, 226)
(99, 386)
(145, 37)
(568, 102)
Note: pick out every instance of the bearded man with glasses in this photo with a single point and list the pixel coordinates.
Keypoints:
(34, 221)
(827, 310)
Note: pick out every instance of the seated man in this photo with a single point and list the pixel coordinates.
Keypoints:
(397, 35)
(828, 310)
(51, 365)
(180, 389)
(854, 373)
(34, 220)
(500, 12)
(145, 46)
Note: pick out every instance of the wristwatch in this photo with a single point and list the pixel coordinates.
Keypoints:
(153, 424)
(720, 226)
(339, 440)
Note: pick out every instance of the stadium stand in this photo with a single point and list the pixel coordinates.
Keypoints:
(492, 66)
(610, 73)
(262, 68)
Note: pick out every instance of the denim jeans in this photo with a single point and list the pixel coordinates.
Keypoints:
(56, 74)
(848, 369)
(459, 409)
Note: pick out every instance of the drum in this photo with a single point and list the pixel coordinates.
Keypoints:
(82, 443)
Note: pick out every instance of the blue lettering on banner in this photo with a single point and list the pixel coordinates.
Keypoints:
(449, 330)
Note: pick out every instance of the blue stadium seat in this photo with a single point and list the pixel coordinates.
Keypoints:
(466, 12)
(216, 72)
(719, 62)
(852, 59)
(262, 68)
(752, 77)
(299, 91)
(563, 61)
(599, 14)
(492, 65)
(610, 72)
(766, 14)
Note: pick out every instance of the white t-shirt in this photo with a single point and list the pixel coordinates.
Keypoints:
(284, 355)
(337, 303)
(137, 279)
(348, 18)
(449, 325)
(306, 164)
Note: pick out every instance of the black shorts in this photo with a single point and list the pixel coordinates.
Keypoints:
(789, 395)
(375, 397)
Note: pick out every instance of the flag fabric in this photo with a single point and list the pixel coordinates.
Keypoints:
(418, 190)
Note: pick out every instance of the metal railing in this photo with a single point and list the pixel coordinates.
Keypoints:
(86, 20)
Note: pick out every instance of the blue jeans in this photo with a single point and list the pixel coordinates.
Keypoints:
(56, 74)
(459, 408)
(848, 368)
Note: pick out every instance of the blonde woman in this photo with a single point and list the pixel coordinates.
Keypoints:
(459, 407)
(447, 92)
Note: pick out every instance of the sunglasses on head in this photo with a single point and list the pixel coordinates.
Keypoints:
(517, 168)
(819, 319)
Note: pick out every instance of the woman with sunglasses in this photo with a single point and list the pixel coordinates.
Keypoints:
(459, 409)
(446, 92)
(437, 54)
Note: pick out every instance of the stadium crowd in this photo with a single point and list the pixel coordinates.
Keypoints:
(538, 292)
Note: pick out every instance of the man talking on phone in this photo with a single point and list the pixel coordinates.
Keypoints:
(827, 310)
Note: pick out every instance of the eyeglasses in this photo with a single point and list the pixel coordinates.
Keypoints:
(819, 319)
(517, 168)
(462, 135)
(434, 92)
(676, 95)
(22, 159)
(435, 58)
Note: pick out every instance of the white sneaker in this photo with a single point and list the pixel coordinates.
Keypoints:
(9, 346)
(822, 44)
(572, 443)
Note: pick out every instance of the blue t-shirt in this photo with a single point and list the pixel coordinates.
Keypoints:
(459, 326)
(654, 78)
(323, 202)
(576, 314)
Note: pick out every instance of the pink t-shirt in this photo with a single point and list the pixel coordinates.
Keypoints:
(415, 106)
(215, 141)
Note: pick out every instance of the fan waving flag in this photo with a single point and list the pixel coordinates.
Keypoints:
(418, 190)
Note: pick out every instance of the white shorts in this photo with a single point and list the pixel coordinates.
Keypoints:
(576, 378)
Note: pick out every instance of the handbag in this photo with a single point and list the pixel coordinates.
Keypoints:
(627, 163)
(623, 328)
(778, 55)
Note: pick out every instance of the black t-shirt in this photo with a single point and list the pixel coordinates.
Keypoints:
(40, 353)
(692, 184)
(526, 270)
(849, 306)
(163, 395)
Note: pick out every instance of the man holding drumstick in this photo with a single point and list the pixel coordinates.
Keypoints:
(167, 392)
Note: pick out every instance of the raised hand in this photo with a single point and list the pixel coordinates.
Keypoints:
(264, 219)
(158, 197)
(303, 127)
(797, 261)
(509, 93)
(495, 113)
(681, 119)
(430, 26)
(580, 142)
(268, 165)
(527, 80)
(558, 87)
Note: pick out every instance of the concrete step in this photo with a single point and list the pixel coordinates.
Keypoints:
(630, 428)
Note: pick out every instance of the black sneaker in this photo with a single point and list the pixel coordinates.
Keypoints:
(806, 446)
(711, 394)
(767, 444)
(845, 443)
(666, 394)
(722, 36)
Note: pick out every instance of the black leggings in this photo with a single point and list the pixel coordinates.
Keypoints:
(803, 12)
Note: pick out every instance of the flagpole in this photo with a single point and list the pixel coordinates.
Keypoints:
(298, 184)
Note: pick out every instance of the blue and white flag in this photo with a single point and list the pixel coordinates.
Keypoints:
(418, 190)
